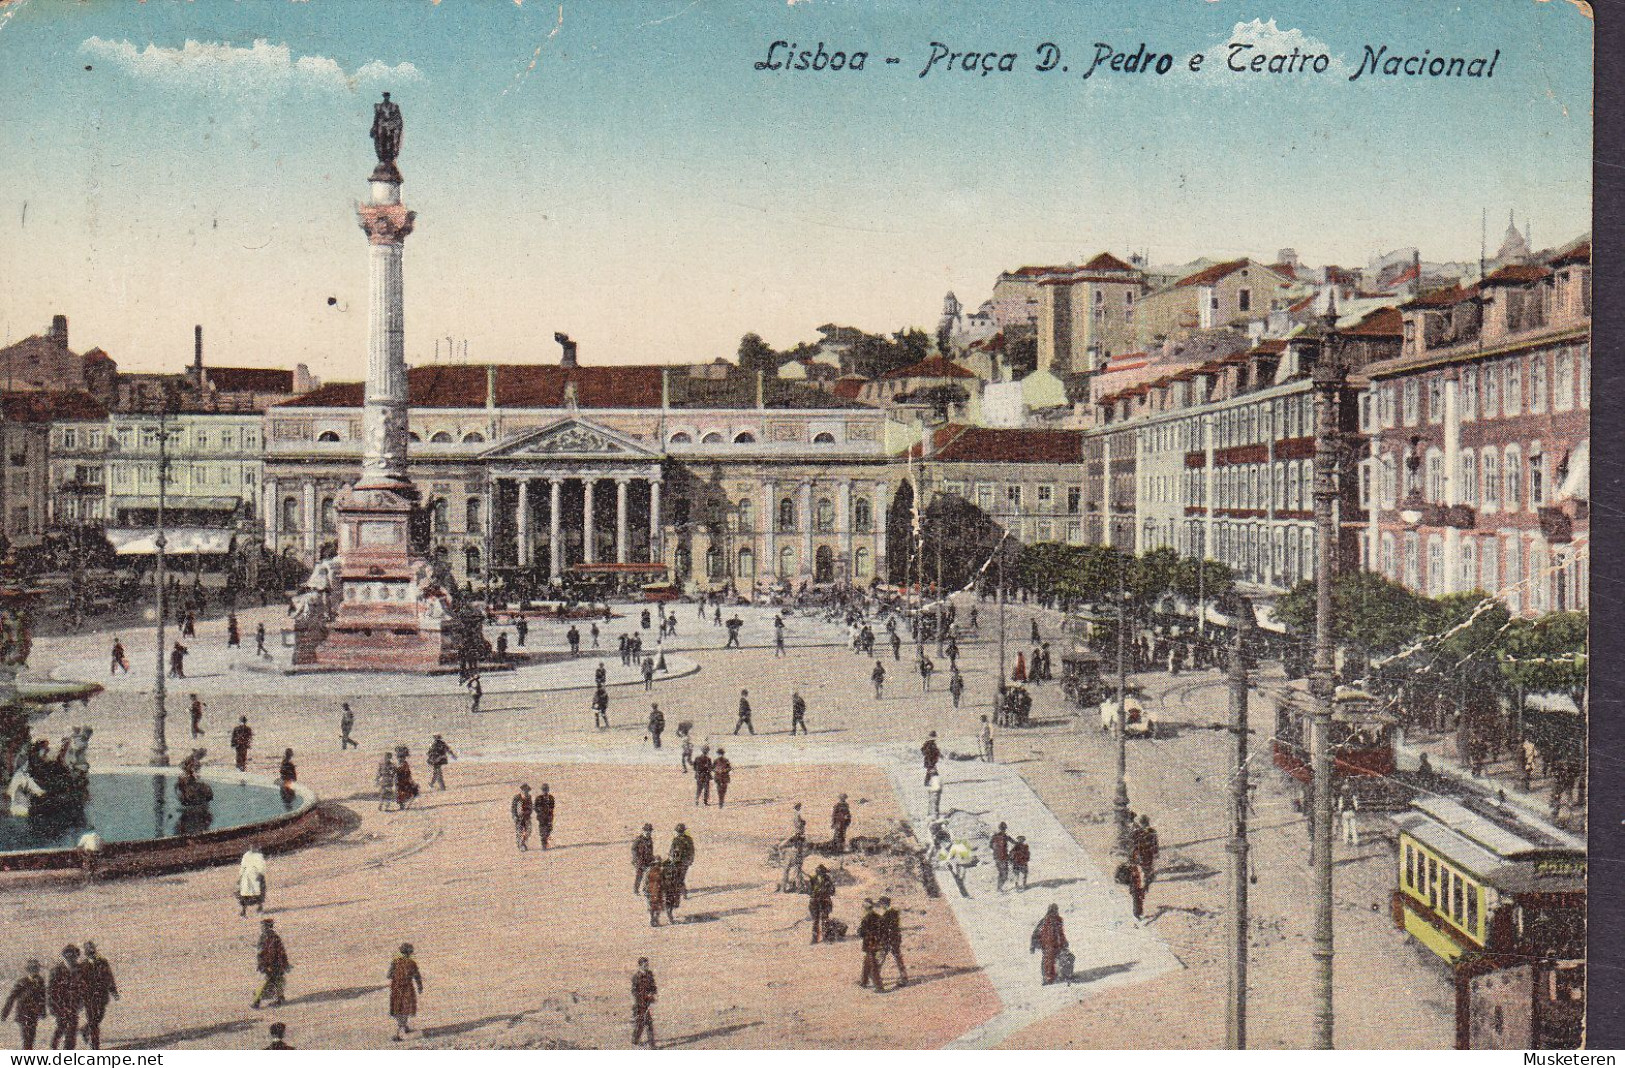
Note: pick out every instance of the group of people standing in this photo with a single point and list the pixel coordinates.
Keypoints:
(80, 986)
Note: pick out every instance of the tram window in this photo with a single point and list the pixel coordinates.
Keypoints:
(1433, 883)
(1410, 866)
(1458, 904)
(1472, 910)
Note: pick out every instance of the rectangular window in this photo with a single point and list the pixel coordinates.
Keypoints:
(1074, 500)
(1491, 463)
(1512, 398)
(1512, 480)
(1435, 399)
(1539, 374)
(1046, 497)
(1563, 386)
(1244, 299)
(1469, 478)
(1012, 497)
(1469, 395)
(1537, 478)
(1435, 566)
(1492, 393)
(1412, 401)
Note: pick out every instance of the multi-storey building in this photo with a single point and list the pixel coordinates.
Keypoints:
(26, 421)
(1223, 295)
(1027, 481)
(1086, 315)
(1479, 463)
(78, 464)
(723, 476)
(213, 458)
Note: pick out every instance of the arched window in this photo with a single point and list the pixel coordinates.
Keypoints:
(1435, 476)
(682, 437)
(860, 563)
(442, 516)
(787, 515)
(713, 438)
(471, 560)
(440, 437)
(747, 522)
(787, 562)
(329, 516)
(744, 437)
(290, 515)
(1512, 479)
(713, 562)
(473, 437)
(328, 436)
(1469, 488)
(413, 438)
(473, 514)
(824, 438)
(747, 565)
(825, 514)
(863, 515)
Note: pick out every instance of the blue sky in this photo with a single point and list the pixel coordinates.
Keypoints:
(621, 172)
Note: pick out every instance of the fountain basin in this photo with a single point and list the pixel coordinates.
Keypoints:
(143, 827)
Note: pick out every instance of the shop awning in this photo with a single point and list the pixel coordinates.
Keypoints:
(182, 541)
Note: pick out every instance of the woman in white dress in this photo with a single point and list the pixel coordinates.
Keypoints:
(251, 881)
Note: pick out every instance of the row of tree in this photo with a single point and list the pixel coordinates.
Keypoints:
(860, 352)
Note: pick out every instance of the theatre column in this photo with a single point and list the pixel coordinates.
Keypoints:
(620, 520)
(589, 551)
(269, 499)
(311, 519)
(655, 555)
(555, 548)
(877, 521)
(521, 524)
(806, 509)
(843, 520)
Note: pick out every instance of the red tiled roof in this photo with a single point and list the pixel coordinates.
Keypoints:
(930, 367)
(1580, 253)
(44, 406)
(1107, 262)
(969, 444)
(1270, 345)
(249, 379)
(1384, 322)
(849, 388)
(1442, 298)
(517, 386)
(1208, 275)
(1033, 272)
(1285, 270)
(1517, 274)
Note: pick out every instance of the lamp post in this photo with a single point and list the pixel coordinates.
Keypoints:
(1235, 1028)
(160, 746)
(1120, 798)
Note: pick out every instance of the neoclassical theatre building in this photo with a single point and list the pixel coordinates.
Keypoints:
(720, 474)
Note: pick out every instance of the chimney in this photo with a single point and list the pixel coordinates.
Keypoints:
(569, 347)
(301, 378)
(197, 356)
(59, 330)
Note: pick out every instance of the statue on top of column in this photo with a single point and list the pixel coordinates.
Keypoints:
(386, 137)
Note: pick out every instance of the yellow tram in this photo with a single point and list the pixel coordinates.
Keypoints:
(1501, 898)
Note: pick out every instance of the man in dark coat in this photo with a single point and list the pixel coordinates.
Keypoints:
(1021, 855)
(1000, 845)
(242, 736)
(744, 713)
(702, 776)
(891, 928)
(28, 999)
(1049, 936)
(600, 705)
(930, 754)
(644, 994)
(722, 771)
(643, 855)
(681, 855)
(820, 900)
(654, 887)
(840, 818)
(521, 808)
(657, 724)
(98, 986)
(544, 806)
(66, 995)
(798, 713)
(871, 934)
(438, 756)
(271, 960)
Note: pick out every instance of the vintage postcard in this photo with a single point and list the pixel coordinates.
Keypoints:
(794, 524)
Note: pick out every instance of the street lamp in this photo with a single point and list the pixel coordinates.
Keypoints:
(1120, 798)
(160, 746)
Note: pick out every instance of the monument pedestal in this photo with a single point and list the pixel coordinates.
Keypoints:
(386, 611)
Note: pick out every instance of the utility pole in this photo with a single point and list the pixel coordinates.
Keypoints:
(160, 746)
(1328, 382)
(1235, 1020)
(1120, 799)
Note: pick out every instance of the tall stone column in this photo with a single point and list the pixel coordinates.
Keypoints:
(272, 502)
(620, 520)
(589, 551)
(806, 517)
(387, 223)
(655, 555)
(878, 523)
(770, 524)
(522, 524)
(555, 547)
(843, 524)
(311, 519)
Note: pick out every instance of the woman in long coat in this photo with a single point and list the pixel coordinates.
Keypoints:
(406, 789)
(1050, 936)
(405, 984)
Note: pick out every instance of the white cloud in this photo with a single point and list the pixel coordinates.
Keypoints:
(1267, 39)
(224, 67)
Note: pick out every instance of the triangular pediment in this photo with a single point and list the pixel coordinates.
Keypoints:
(572, 439)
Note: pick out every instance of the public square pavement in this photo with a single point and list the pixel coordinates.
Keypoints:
(531, 950)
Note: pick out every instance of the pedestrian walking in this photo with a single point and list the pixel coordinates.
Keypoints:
(592, 631)
(896, 647)
(891, 933)
(521, 809)
(271, 960)
(65, 995)
(98, 986)
(476, 691)
(643, 856)
(119, 662)
(1050, 937)
(644, 993)
(878, 677)
(545, 806)
(722, 771)
(682, 855)
(234, 634)
(1021, 858)
(1144, 847)
(521, 629)
(28, 1000)
(820, 900)
(872, 937)
(840, 820)
(196, 710)
(744, 713)
(600, 706)
(384, 779)
(930, 754)
(251, 880)
(648, 673)
(654, 889)
(657, 724)
(798, 713)
(986, 739)
(439, 755)
(406, 787)
(956, 685)
(1020, 672)
(259, 643)
(702, 776)
(778, 641)
(346, 725)
(926, 668)
(688, 751)
(405, 984)
(674, 888)
(242, 737)
(177, 661)
(1349, 809)
(792, 855)
(573, 636)
(933, 793)
(1000, 844)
